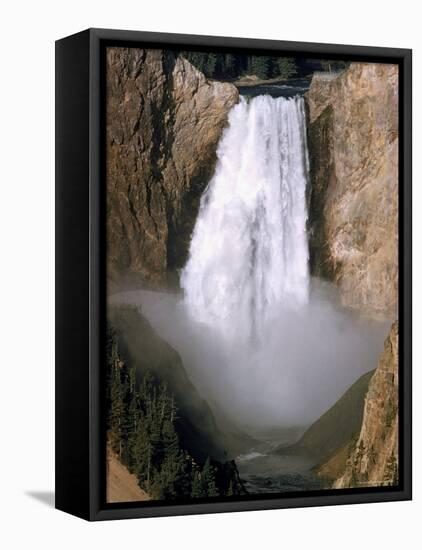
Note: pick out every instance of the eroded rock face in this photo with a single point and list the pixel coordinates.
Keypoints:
(353, 143)
(164, 120)
(373, 460)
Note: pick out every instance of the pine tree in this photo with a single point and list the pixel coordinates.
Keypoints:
(229, 65)
(211, 65)
(230, 491)
(132, 422)
(260, 66)
(197, 59)
(208, 475)
(129, 417)
(284, 67)
(114, 395)
(140, 450)
(198, 490)
(184, 479)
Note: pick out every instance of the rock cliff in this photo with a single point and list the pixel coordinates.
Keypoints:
(373, 460)
(164, 120)
(353, 228)
(353, 223)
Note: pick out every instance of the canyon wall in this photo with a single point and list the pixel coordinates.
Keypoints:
(353, 211)
(373, 460)
(353, 239)
(164, 121)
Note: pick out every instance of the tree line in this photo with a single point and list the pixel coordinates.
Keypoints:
(228, 66)
(142, 429)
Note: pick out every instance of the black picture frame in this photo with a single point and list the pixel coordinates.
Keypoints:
(80, 273)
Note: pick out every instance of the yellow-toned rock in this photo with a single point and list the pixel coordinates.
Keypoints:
(164, 120)
(373, 460)
(353, 218)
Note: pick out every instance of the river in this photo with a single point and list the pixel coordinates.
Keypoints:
(264, 471)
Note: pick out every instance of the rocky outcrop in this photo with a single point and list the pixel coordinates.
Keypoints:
(353, 223)
(164, 120)
(373, 460)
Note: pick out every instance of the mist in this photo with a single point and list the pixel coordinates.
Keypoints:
(303, 362)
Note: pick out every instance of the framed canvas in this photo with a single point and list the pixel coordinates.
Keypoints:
(233, 276)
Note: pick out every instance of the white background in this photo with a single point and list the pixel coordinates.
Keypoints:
(27, 273)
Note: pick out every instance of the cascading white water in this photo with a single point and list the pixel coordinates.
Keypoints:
(249, 252)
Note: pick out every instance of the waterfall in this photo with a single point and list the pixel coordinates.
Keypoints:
(255, 339)
(248, 255)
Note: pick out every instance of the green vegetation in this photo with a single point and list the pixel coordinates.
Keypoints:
(285, 66)
(228, 66)
(143, 428)
(260, 66)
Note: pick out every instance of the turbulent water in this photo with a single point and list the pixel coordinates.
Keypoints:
(249, 252)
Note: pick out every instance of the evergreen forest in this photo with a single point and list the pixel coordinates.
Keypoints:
(143, 428)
